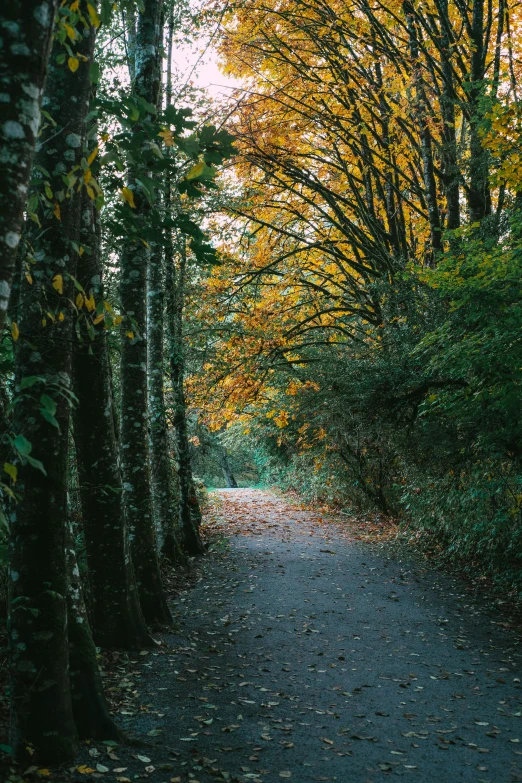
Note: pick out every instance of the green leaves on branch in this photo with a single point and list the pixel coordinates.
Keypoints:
(144, 146)
(22, 449)
(48, 410)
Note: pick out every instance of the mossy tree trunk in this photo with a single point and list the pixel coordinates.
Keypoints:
(133, 282)
(421, 110)
(452, 174)
(26, 30)
(163, 501)
(189, 511)
(479, 196)
(117, 618)
(90, 709)
(164, 497)
(41, 707)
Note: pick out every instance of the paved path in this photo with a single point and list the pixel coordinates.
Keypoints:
(308, 656)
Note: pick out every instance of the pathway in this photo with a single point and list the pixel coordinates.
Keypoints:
(305, 655)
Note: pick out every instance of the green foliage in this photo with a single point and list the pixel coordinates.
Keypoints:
(422, 419)
(206, 449)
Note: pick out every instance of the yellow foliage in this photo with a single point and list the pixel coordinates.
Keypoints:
(93, 16)
(167, 137)
(128, 197)
(58, 283)
(282, 419)
(196, 170)
(332, 119)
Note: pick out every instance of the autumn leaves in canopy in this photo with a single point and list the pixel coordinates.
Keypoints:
(371, 136)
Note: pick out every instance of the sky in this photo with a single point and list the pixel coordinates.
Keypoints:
(199, 63)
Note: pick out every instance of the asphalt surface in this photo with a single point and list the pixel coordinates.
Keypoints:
(304, 655)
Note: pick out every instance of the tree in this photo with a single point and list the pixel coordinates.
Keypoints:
(42, 715)
(164, 502)
(133, 281)
(26, 31)
(189, 512)
(116, 613)
(90, 708)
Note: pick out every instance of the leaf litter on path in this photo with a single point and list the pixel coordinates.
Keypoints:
(314, 660)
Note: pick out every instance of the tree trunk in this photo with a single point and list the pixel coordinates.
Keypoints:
(129, 27)
(26, 30)
(479, 200)
(91, 712)
(134, 436)
(227, 470)
(163, 501)
(396, 239)
(421, 115)
(447, 103)
(189, 512)
(41, 712)
(116, 614)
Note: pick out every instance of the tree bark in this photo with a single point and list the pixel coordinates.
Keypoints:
(479, 200)
(134, 435)
(225, 467)
(41, 712)
(90, 709)
(26, 30)
(189, 512)
(116, 614)
(452, 173)
(164, 511)
(164, 499)
(421, 116)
